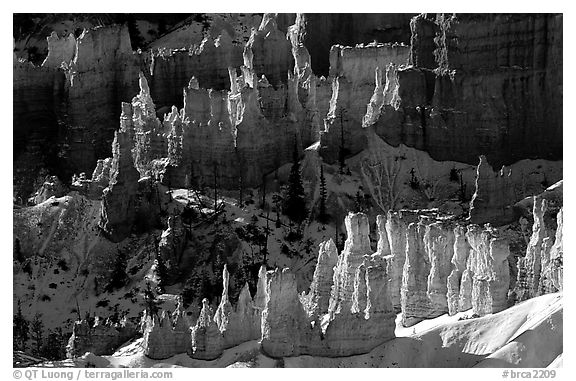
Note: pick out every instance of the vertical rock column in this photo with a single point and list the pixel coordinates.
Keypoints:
(119, 198)
(439, 244)
(494, 196)
(159, 340)
(461, 252)
(356, 246)
(318, 299)
(557, 255)
(207, 342)
(416, 305)
(283, 319)
(488, 266)
(396, 230)
(529, 267)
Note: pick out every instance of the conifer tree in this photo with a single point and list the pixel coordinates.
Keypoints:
(323, 195)
(150, 301)
(37, 329)
(161, 271)
(295, 202)
(20, 329)
(118, 278)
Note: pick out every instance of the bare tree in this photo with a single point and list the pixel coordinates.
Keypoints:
(380, 174)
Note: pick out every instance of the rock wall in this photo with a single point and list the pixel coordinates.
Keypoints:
(355, 317)
(448, 266)
(500, 75)
(268, 51)
(540, 271)
(37, 93)
(494, 197)
(358, 63)
(60, 49)
(221, 136)
(97, 336)
(319, 32)
(497, 74)
(171, 70)
(461, 252)
(104, 67)
(166, 336)
(488, 270)
(353, 72)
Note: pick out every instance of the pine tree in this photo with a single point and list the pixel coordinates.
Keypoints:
(18, 251)
(37, 329)
(150, 301)
(118, 278)
(323, 195)
(341, 149)
(295, 202)
(161, 271)
(20, 330)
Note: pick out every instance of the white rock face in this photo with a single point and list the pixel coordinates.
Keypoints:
(240, 323)
(354, 317)
(415, 302)
(318, 298)
(439, 245)
(540, 271)
(557, 255)
(59, 50)
(349, 309)
(488, 266)
(207, 341)
(461, 252)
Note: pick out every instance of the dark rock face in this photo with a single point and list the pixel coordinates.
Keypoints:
(322, 30)
(479, 84)
(37, 135)
(500, 76)
(494, 196)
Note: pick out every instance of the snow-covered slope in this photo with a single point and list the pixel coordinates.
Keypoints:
(528, 334)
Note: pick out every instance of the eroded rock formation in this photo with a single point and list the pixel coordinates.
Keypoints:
(52, 187)
(540, 270)
(167, 335)
(98, 336)
(494, 197)
(359, 313)
(495, 73)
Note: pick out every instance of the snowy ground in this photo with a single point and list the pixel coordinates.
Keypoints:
(526, 335)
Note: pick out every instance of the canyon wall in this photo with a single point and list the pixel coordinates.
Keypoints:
(540, 271)
(350, 307)
(353, 317)
(498, 75)
(319, 32)
(168, 334)
(98, 336)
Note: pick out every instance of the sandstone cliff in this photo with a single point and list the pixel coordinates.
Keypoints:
(540, 270)
(98, 336)
(167, 335)
(356, 316)
(494, 197)
(496, 74)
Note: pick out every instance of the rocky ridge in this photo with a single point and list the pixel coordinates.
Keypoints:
(425, 109)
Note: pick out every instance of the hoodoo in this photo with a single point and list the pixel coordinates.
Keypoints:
(288, 190)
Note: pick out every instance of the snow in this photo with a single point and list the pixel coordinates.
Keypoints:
(526, 335)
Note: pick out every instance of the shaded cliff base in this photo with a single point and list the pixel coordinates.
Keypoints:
(527, 335)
